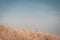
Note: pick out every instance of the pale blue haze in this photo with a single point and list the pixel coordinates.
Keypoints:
(31, 14)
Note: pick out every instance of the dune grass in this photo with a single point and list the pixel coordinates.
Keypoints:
(7, 33)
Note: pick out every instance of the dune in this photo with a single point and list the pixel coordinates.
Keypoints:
(7, 33)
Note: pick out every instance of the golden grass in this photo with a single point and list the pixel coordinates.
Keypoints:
(7, 33)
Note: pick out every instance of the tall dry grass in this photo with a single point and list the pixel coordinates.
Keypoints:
(7, 33)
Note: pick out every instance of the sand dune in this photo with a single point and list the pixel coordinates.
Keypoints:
(7, 33)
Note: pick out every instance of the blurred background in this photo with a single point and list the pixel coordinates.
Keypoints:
(40, 15)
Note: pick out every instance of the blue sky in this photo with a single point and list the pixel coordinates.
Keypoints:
(31, 14)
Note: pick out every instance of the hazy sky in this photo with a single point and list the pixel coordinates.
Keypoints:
(31, 14)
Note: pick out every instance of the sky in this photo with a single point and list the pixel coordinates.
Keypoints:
(31, 14)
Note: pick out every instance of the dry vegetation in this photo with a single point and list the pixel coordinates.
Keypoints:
(7, 33)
